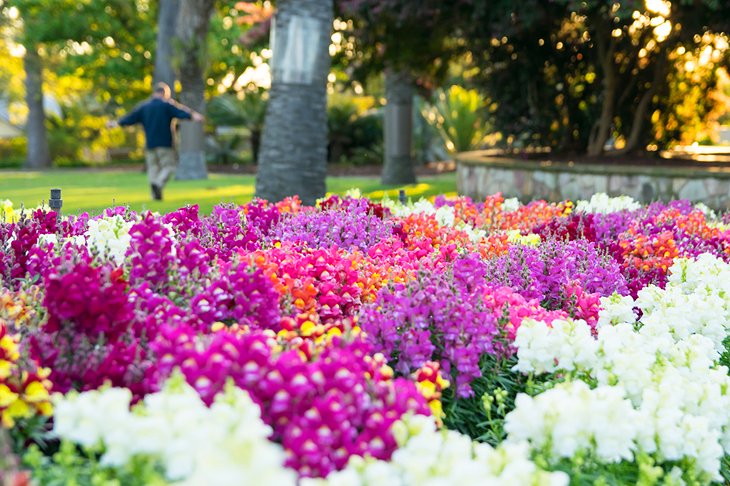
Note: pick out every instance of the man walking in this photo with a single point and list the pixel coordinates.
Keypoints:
(156, 117)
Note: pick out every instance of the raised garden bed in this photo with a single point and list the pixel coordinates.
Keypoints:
(555, 179)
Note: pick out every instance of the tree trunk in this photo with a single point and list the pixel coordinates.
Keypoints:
(39, 154)
(640, 115)
(398, 129)
(293, 154)
(602, 128)
(255, 145)
(637, 125)
(192, 31)
(166, 25)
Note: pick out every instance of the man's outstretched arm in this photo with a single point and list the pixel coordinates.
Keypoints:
(131, 118)
(184, 113)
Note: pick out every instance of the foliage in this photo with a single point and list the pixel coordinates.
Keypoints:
(692, 105)
(459, 115)
(246, 109)
(411, 35)
(482, 415)
(228, 58)
(72, 465)
(226, 148)
(354, 135)
(107, 43)
(570, 75)
(100, 54)
(428, 144)
(355, 132)
(11, 69)
(12, 151)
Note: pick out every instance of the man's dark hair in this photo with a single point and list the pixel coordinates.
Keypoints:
(163, 89)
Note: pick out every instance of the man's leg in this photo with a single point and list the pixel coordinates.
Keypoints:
(168, 164)
(153, 172)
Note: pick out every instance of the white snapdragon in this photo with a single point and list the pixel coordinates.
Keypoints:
(616, 309)
(48, 239)
(475, 235)
(88, 418)
(565, 345)
(109, 236)
(431, 457)
(445, 216)
(666, 367)
(225, 444)
(238, 446)
(706, 210)
(510, 205)
(683, 314)
(670, 429)
(52, 239)
(706, 273)
(602, 203)
(422, 206)
(696, 300)
(572, 418)
(625, 357)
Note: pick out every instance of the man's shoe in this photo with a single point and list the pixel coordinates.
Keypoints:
(156, 192)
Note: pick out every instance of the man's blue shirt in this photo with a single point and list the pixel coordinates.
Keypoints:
(156, 116)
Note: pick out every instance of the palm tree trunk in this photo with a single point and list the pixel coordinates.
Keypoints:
(39, 154)
(398, 129)
(192, 31)
(293, 154)
(166, 25)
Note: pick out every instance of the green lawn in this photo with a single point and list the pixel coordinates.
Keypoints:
(94, 190)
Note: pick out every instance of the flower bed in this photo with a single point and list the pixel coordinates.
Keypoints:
(364, 343)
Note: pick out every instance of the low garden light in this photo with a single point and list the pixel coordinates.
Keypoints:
(56, 202)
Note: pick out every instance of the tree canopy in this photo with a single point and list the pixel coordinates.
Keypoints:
(574, 74)
(588, 76)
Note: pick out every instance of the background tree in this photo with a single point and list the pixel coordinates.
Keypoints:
(411, 42)
(574, 75)
(32, 34)
(164, 48)
(86, 40)
(192, 33)
(229, 57)
(293, 156)
(39, 154)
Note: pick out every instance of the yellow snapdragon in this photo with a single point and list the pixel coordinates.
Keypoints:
(530, 239)
(7, 213)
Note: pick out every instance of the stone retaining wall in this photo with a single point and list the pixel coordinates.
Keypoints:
(478, 175)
